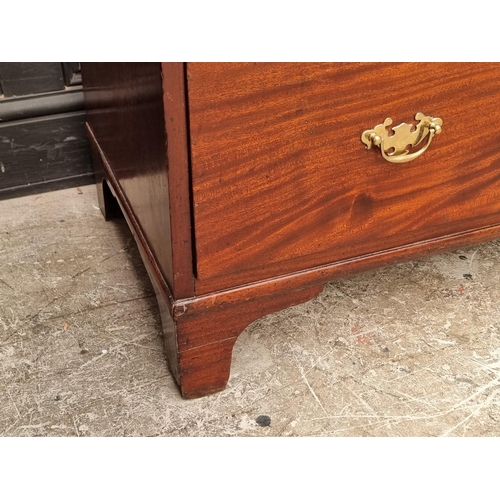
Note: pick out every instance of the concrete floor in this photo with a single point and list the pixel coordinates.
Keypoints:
(409, 350)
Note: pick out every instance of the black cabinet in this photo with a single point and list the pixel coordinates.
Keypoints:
(42, 128)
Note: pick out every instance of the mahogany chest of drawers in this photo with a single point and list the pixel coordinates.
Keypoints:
(249, 186)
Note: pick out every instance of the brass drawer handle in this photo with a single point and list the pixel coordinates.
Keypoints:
(402, 136)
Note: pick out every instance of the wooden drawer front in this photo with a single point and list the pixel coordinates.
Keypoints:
(281, 181)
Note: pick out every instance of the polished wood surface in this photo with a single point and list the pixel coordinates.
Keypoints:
(199, 333)
(176, 118)
(282, 182)
(125, 111)
(247, 187)
(205, 334)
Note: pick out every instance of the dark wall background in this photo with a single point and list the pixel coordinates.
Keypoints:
(42, 129)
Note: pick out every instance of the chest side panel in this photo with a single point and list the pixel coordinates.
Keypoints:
(124, 104)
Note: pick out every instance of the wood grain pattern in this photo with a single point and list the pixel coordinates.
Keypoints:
(199, 341)
(329, 272)
(282, 182)
(199, 334)
(176, 117)
(137, 113)
(284, 196)
(125, 112)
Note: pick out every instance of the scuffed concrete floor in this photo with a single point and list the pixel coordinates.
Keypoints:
(409, 350)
